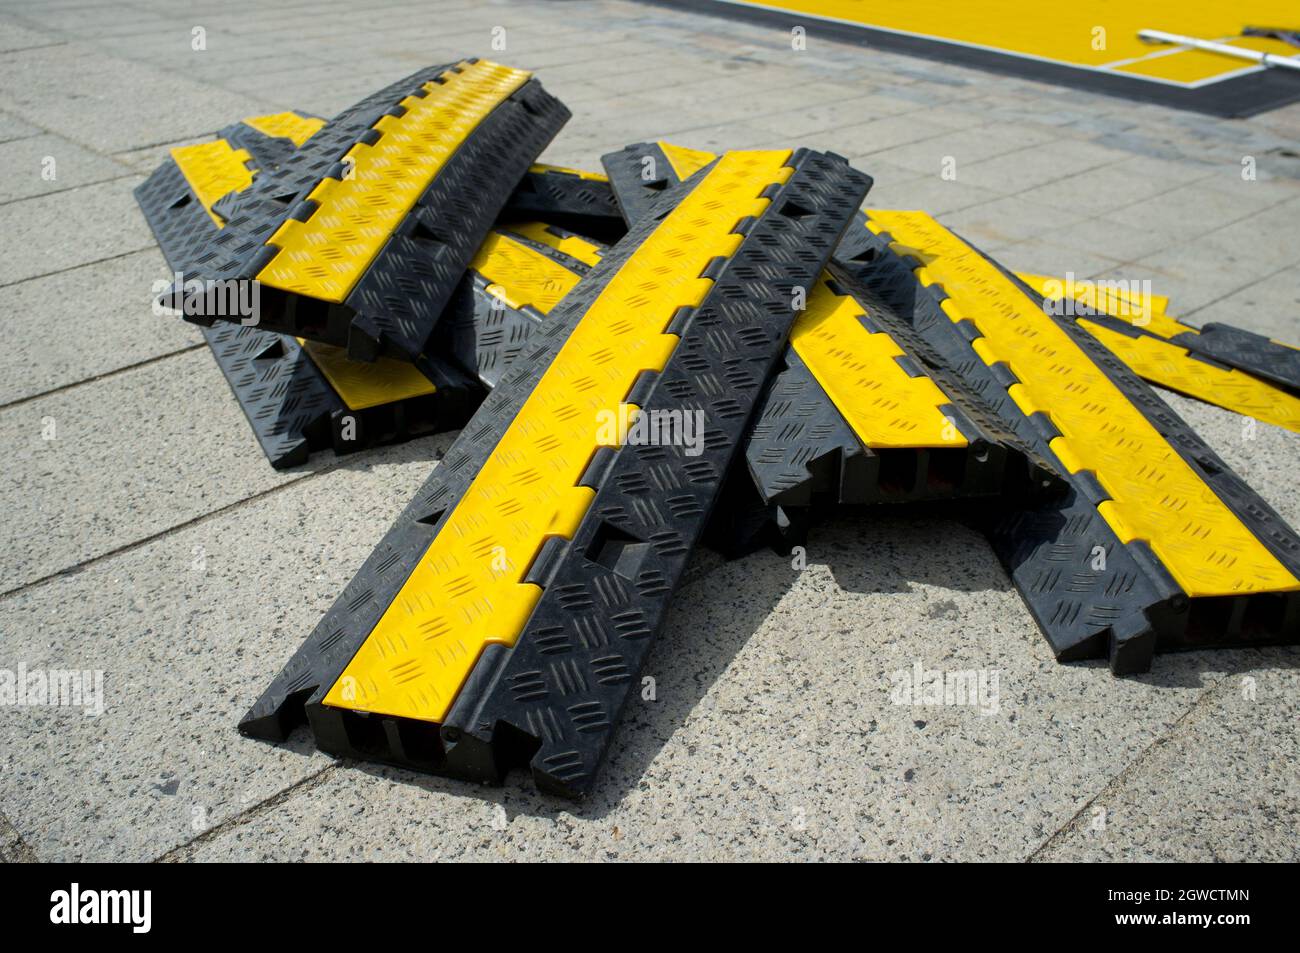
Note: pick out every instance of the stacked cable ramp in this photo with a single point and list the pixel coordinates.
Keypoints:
(414, 269)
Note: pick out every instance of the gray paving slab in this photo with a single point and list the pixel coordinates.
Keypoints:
(12, 128)
(936, 195)
(1007, 219)
(125, 105)
(79, 226)
(14, 36)
(186, 630)
(774, 732)
(1039, 164)
(1269, 306)
(39, 165)
(82, 323)
(1220, 788)
(968, 145)
(1041, 257)
(107, 464)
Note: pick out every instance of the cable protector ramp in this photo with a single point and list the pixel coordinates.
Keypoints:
(504, 619)
(1251, 380)
(1159, 545)
(272, 139)
(359, 238)
(573, 199)
(640, 173)
(513, 282)
(865, 412)
(1143, 336)
(855, 416)
(299, 397)
(302, 397)
(1253, 353)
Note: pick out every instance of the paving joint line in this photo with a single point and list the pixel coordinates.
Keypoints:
(1272, 274)
(184, 852)
(42, 46)
(192, 521)
(127, 173)
(106, 375)
(84, 264)
(1132, 767)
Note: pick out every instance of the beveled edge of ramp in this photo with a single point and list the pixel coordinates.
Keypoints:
(570, 199)
(1247, 351)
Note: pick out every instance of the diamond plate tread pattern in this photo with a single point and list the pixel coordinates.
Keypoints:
(287, 401)
(639, 175)
(1155, 346)
(213, 170)
(268, 152)
(1246, 351)
(290, 404)
(398, 300)
(470, 588)
(175, 215)
(570, 246)
(393, 307)
(608, 590)
(648, 506)
(1147, 313)
(1065, 562)
(254, 214)
(801, 447)
(568, 199)
(1161, 362)
(512, 285)
(1151, 491)
(1090, 594)
(917, 433)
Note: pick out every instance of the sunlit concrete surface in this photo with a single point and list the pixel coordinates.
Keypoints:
(145, 536)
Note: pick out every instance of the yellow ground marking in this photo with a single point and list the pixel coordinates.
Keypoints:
(1063, 31)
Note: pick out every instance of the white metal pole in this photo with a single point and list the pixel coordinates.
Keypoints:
(1265, 59)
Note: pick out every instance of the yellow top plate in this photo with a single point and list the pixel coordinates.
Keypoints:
(467, 590)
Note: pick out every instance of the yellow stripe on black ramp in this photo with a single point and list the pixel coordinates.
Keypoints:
(360, 236)
(214, 170)
(506, 616)
(859, 370)
(1138, 329)
(1153, 494)
(469, 590)
(1158, 545)
(324, 256)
